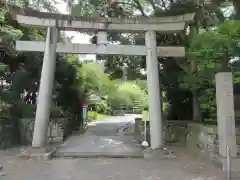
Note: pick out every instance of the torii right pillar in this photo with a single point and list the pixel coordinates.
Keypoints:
(225, 114)
(154, 101)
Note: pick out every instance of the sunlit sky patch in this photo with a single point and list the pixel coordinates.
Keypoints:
(76, 37)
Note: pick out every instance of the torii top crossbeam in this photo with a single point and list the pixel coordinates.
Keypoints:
(162, 24)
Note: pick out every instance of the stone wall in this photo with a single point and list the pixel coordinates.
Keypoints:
(55, 130)
(175, 132)
(202, 139)
(196, 137)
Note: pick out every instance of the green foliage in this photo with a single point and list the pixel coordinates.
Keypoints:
(22, 77)
(209, 50)
(92, 115)
(28, 111)
(132, 91)
(57, 112)
(126, 94)
(221, 42)
(212, 51)
(142, 84)
(118, 99)
(7, 31)
(95, 80)
(101, 107)
(9, 135)
(69, 92)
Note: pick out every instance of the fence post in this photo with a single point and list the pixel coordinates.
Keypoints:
(228, 168)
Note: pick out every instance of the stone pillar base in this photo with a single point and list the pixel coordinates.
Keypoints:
(80, 131)
(234, 168)
(160, 153)
(137, 130)
(38, 153)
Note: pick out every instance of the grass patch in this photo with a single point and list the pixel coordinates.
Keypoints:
(93, 115)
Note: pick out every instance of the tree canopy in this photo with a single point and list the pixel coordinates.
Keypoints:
(210, 38)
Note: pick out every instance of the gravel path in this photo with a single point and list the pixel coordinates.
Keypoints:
(103, 138)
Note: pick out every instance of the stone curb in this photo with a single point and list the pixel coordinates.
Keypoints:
(38, 155)
(96, 155)
(161, 153)
(2, 173)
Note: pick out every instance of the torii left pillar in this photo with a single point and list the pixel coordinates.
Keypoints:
(45, 89)
(154, 101)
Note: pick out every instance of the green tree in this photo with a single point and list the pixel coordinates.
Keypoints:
(20, 76)
(207, 14)
(213, 51)
(95, 80)
(130, 93)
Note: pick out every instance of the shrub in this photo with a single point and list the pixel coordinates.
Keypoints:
(101, 107)
(8, 128)
(92, 115)
(28, 111)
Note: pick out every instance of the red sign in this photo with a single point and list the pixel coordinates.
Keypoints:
(84, 105)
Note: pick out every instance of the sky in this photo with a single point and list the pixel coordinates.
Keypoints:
(76, 36)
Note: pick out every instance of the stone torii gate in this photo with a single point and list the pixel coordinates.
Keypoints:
(56, 22)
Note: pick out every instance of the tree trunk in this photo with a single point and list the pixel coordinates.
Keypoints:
(225, 63)
(196, 106)
(236, 4)
(194, 30)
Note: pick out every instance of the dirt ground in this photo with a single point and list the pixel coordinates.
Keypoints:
(184, 167)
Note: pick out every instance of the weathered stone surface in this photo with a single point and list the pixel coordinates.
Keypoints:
(55, 130)
(37, 153)
(110, 49)
(225, 113)
(167, 27)
(184, 167)
(197, 138)
(104, 138)
(98, 146)
(161, 153)
(185, 17)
